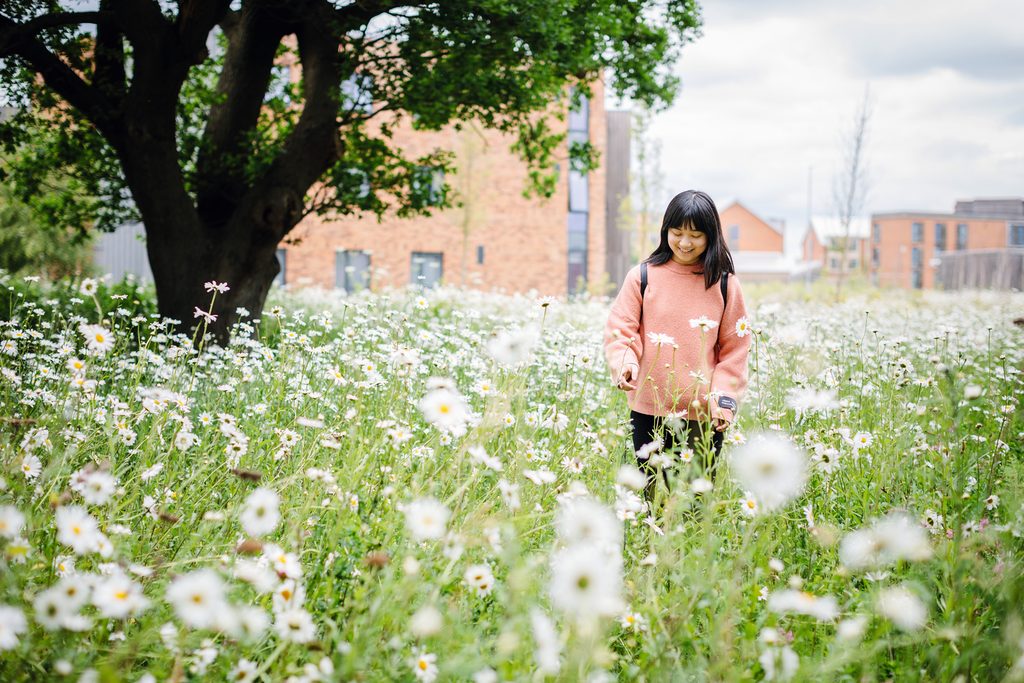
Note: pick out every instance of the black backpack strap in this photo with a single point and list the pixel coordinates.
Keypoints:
(643, 288)
(724, 282)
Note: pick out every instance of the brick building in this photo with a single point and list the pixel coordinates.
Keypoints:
(823, 244)
(745, 231)
(906, 246)
(758, 247)
(497, 239)
(812, 248)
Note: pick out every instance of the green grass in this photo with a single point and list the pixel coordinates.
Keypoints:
(897, 364)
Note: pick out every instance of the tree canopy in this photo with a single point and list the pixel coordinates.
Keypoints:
(188, 115)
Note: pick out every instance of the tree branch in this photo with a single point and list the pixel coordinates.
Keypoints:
(109, 76)
(196, 18)
(59, 76)
(252, 44)
(13, 31)
(275, 202)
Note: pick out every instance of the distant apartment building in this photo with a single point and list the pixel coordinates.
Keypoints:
(823, 243)
(758, 247)
(497, 238)
(907, 247)
(746, 231)
(812, 247)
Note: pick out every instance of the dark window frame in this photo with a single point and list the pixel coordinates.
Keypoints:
(941, 236)
(414, 278)
(348, 278)
(962, 230)
(1016, 235)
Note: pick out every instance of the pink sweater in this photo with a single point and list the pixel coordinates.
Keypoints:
(671, 375)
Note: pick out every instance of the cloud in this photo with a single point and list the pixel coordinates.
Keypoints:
(772, 84)
(981, 40)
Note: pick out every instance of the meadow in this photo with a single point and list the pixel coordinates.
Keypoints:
(434, 485)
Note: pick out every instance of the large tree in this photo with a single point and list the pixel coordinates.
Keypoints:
(182, 114)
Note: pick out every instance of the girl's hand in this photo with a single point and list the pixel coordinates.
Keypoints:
(626, 377)
(721, 418)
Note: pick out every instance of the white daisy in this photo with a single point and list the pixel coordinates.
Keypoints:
(771, 468)
(426, 519)
(198, 597)
(260, 513)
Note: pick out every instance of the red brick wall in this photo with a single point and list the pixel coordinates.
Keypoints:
(895, 245)
(813, 249)
(525, 240)
(754, 233)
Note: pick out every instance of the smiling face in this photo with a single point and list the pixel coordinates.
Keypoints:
(687, 244)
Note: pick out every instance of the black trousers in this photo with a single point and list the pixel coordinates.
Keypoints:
(647, 428)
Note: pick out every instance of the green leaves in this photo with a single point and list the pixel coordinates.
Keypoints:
(500, 63)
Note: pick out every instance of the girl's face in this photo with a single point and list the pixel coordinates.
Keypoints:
(687, 245)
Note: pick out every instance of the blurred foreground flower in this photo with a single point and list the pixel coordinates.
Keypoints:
(512, 348)
(586, 582)
(426, 519)
(260, 514)
(895, 537)
(904, 609)
(771, 468)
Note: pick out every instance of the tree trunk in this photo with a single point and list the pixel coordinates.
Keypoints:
(181, 269)
(187, 250)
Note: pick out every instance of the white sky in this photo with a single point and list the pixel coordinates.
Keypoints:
(771, 85)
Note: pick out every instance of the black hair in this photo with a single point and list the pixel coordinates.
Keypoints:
(697, 210)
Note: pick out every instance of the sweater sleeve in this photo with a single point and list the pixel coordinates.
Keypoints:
(622, 343)
(730, 375)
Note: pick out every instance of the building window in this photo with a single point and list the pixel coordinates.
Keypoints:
(282, 260)
(1017, 234)
(579, 200)
(917, 233)
(579, 116)
(577, 270)
(917, 280)
(734, 237)
(940, 237)
(427, 268)
(577, 250)
(352, 270)
(579, 191)
(915, 257)
(961, 236)
(874, 257)
(853, 264)
(833, 263)
(876, 233)
(480, 254)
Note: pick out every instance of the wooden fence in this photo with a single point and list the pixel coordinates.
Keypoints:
(981, 269)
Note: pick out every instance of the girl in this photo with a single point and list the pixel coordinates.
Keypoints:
(677, 336)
